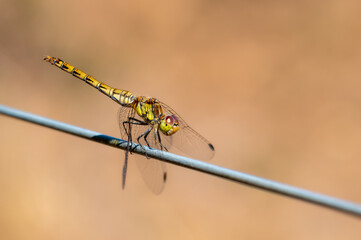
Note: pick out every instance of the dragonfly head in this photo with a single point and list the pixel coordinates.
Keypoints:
(169, 125)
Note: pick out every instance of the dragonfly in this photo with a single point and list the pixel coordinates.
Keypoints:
(149, 122)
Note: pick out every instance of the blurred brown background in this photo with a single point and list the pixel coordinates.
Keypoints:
(274, 85)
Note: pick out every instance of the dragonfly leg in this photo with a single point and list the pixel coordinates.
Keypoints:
(128, 130)
(145, 135)
(162, 147)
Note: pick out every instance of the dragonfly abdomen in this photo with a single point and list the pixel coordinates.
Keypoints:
(123, 97)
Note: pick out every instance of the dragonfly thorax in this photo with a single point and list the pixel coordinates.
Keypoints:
(149, 109)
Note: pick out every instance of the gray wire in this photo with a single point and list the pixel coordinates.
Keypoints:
(272, 186)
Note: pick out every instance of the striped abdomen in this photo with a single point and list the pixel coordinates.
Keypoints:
(125, 98)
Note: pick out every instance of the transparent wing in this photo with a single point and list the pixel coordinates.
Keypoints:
(188, 140)
(154, 172)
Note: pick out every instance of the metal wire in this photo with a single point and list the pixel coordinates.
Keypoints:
(272, 186)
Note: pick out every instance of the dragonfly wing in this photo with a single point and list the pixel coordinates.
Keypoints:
(153, 172)
(188, 140)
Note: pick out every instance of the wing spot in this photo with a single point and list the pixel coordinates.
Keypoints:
(211, 146)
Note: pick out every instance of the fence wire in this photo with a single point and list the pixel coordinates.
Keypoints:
(239, 177)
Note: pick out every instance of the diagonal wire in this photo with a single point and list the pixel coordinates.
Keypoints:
(265, 184)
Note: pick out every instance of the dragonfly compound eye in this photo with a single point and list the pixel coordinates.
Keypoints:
(169, 125)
